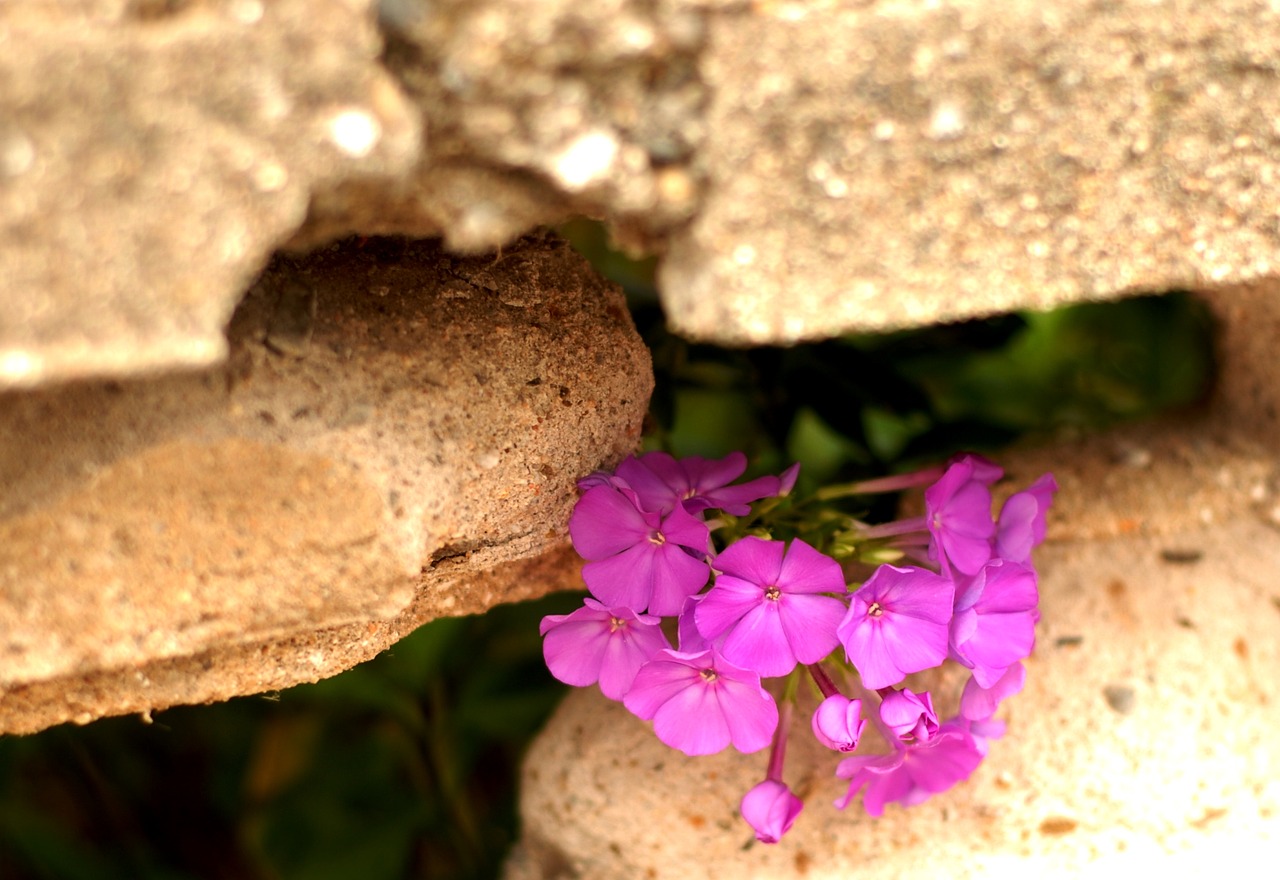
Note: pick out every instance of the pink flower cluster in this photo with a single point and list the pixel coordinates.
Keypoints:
(759, 608)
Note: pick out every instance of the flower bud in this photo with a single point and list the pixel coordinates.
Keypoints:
(910, 716)
(838, 723)
(771, 809)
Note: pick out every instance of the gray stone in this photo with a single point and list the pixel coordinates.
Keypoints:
(276, 520)
(804, 170)
(150, 163)
(877, 165)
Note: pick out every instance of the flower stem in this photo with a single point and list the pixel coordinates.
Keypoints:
(894, 483)
(895, 528)
(822, 680)
(779, 751)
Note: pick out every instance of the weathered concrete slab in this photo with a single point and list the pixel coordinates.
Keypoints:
(395, 429)
(805, 169)
(152, 156)
(886, 164)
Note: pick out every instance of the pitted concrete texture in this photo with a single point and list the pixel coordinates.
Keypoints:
(804, 169)
(153, 155)
(1142, 742)
(396, 437)
(925, 162)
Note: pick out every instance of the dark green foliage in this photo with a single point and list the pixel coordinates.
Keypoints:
(402, 767)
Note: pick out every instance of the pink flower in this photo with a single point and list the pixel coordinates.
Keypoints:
(638, 559)
(766, 601)
(909, 715)
(979, 704)
(995, 618)
(662, 482)
(700, 703)
(598, 643)
(771, 809)
(1021, 526)
(958, 514)
(897, 624)
(838, 723)
(913, 774)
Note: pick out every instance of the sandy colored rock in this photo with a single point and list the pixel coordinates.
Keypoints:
(926, 162)
(152, 156)
(804, 169)
(396, 437)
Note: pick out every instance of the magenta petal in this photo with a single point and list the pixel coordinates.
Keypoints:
(600, 643)
(750, 712)
(737, 499)
(1021, 526)
(704, 474)
(770, 809)
(627, 650)
(810, 625)
(949, 758)
(754, 560)
(1014, 533)
(805, 570)
(625, 579)
(967, 528)
(979, 704)
(838, 723)
(605, 522)
(666, 675)
(958, 512)
(1000, 641)
(656, 478)
(574, 651)
(676, 576)
(880, 774)
(911, 632)
(680, 527)
(725, 604)
(700, 703)
(757, 642)
(909, 715)
(692, 722)
(1008, 587)
(687, 627)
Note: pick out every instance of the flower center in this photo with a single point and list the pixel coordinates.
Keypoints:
(708, 675)
(616, 623)
(875, 609)
(772, 593)
(657, 538)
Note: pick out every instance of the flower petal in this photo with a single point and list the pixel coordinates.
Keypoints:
(758, 643)
(805, 570)
(810, 624)
(692, 721)
(605, 522)
(753, 559)
(725, 604)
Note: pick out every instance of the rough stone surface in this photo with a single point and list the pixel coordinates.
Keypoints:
(806, 169)
(1142, 741)
(396, 436)
(924, 162)
(153, 155)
